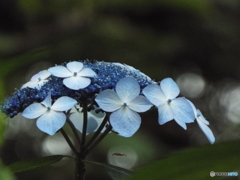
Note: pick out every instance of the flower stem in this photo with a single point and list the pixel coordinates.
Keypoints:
(85, 118)
(69, 141)
(74, 131)
(95, 135)
(80, 167)
(103, 135)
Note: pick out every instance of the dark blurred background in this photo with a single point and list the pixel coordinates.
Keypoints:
(195, 42)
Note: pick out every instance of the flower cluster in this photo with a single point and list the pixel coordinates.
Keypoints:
(109, 90)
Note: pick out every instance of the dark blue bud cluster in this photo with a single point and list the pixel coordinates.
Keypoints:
(26, 96)
(108, 74)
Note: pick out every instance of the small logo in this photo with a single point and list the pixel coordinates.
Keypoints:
(212, 173)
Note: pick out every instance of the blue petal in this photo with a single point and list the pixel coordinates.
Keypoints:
(108, 100)
(154, 94)
(77, 120)
(125, 121)
(60, 71)
(165, 113)
(193, 108)
(87, 72)
(98, 117)
(92, 125)
(207, 131)
(63, 103)
(182, 124)
(74, 66)
(51, 122)
(76, 82)
(140, 104)
(47, 102)
(127, 89)
(42, 75)
(182, 110)
(34, 110)
(169, 88)
(31, 84)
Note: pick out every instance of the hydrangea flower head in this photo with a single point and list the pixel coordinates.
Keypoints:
(119, 90)
(124, 102)
(76, 76)
(50, 116)
(169, 107)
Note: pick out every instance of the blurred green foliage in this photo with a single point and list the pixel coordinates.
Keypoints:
(195, 163)
(5, 173)
(30, 164)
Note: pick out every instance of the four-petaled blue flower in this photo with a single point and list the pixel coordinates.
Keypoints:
(38, 80)
(203, 124)
(125, 102)
(169, 107)
(51, 117)
(76, 76)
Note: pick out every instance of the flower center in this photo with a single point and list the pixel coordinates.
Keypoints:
(169, 101)
(39, 79)
(75, 74)
(48, 108)
(124, 104)
(198, 115)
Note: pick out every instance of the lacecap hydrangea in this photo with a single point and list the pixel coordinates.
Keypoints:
(115, 91)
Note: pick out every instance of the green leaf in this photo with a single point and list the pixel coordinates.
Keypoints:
(5, 173)
(31, 164)
(194, 163)
(115, 172)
